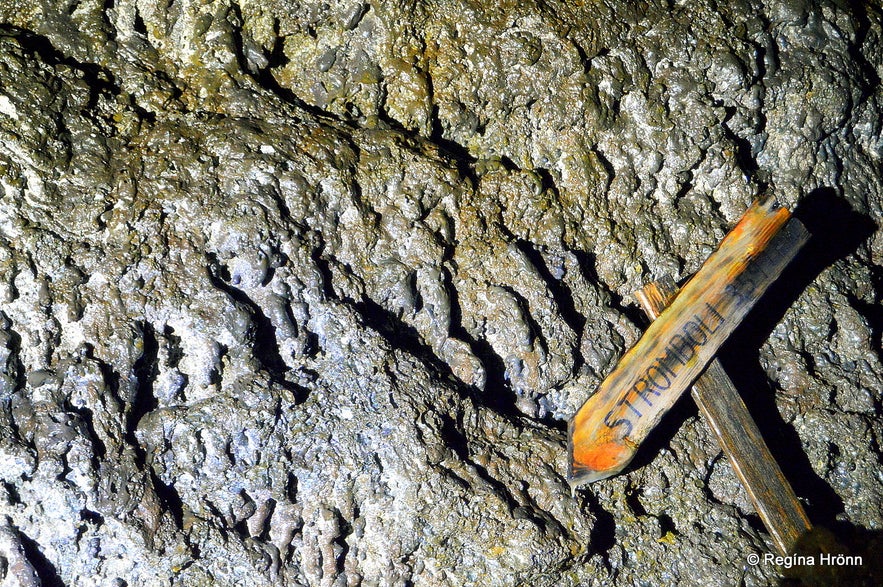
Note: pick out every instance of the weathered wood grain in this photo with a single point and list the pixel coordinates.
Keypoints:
(726, 414)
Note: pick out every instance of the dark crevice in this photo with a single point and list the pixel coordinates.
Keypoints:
(228, 452)
(411, 281)
(291, 486)
(12, 494)
(630, 310)
(756, 524)
(240, 528)
(97, 78)
(667, 524)
(91, 517)
(99, 450)
(173, 344)
(45, 570)
(609, 169)
(265, 347)
(276, 57)
(111, 379)
(462, 159)
(685, 184)
(632, 499)
(264, 78)
(561, 294)
(15, 369)
(145, 371)
(508, 164)
(453, 436)
(238, 41)
(498, 395)
(744, 151)
(216, 374)
(870, 78)
(345, 529)
(405, 338)
(585, 59)
(536, 333)
(324, 269)
(460, 481)
(146, 115)
(548, 182)
(603, 535)
(139, 26)
(455, 153)
(586, 262)
(264, 536)
(220, 519)
(706, 481)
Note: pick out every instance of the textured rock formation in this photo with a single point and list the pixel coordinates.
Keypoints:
(302, 293)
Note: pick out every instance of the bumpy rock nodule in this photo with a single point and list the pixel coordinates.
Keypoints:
(304, 292)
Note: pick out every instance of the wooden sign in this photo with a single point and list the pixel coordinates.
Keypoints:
(607, 430)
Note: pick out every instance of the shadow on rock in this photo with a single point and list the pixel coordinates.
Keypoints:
(837, 231)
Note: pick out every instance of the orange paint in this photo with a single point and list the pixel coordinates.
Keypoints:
(603, 457)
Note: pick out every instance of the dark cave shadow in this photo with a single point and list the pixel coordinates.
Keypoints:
(46, 571)
(836, 232)
(848, 540)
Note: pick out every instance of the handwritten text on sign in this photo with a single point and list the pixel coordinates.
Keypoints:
(659, 376)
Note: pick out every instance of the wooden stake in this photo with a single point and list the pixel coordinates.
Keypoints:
(738, 435)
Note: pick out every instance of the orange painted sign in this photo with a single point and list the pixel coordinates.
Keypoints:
(606, 431)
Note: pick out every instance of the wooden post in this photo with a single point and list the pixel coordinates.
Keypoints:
(738, 435)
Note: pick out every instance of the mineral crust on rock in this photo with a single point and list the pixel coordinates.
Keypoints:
(303, 293)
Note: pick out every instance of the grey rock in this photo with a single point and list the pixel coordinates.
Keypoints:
(304, 293)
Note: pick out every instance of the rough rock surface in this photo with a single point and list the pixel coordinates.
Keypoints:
(303, 293)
